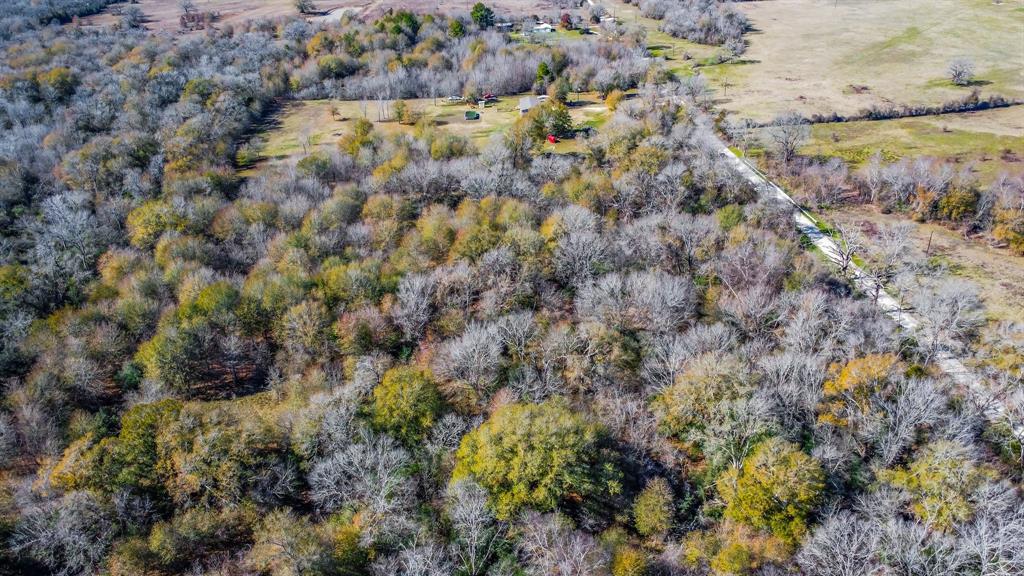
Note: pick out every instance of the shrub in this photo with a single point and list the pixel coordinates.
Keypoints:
(958, 205)
(613, 99)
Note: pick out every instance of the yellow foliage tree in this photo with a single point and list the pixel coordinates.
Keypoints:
(776, 490)
(940, 482)
(848, 392)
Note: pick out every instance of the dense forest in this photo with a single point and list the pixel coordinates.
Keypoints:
(407, 354)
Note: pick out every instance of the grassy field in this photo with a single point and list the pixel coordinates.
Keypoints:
(991, 141)
(163, 15)
(319, 123)
(818, 56)
(997, 275)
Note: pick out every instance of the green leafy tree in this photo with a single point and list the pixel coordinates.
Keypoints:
(482, 15)
(652, 510)
(613, 99)
(198, 532)
(331, 66)
(406, 403)
(290, 545)
(629, 561)
(559, 90)
(534, 455)
(550, 118)
(59, 82)
(220, 455)
(126, 461)
(456, 29)
(776, 489)
(543, 71)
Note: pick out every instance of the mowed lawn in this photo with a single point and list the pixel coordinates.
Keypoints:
(991, 142)
(820, 56)
(302, 127)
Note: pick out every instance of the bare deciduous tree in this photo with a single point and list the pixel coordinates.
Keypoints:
(471, 359)
(477, 531)
(552, 546)
(787, 133)
(951, 313)
(415, 298)
(69, 536)
(961, 71)
(841, 546)
(305, 6)
(371, 472)
(849, 244)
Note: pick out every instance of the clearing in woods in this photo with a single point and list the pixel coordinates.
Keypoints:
(319, 123)
(681, 56)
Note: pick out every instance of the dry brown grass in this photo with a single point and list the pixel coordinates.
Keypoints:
(818, 56)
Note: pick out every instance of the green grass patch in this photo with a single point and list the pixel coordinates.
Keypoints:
(855, 142)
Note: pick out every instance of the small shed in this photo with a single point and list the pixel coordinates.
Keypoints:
(472, 115)
(543, 28)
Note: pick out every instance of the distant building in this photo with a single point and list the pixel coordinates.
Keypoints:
(543, 28)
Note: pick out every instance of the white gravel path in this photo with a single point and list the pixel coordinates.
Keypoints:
(993, 409)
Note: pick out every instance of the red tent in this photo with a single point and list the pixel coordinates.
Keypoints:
(552, 139)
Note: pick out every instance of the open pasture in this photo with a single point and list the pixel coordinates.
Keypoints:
(990, 142)
(821, 56)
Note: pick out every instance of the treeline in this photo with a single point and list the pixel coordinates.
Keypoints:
(21, 15)
(973, 102)
(701, 21)
(926, 189)
(410, 56)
